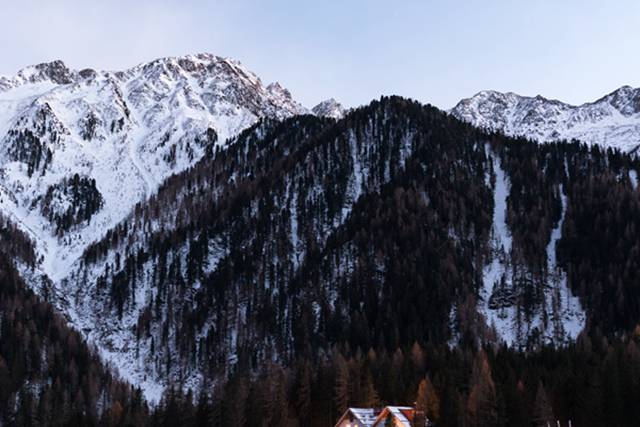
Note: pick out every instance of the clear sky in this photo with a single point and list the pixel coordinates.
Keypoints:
(353, 50)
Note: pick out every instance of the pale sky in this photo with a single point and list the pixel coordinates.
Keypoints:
(352, 50)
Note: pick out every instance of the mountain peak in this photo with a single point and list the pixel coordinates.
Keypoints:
(329, 108)
(126, 131)
(612, 120)
(276, 89)
(625, 99)
(55, 71)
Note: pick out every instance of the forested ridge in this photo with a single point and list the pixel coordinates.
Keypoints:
(48, 374)
(317, 264)
(590, 383)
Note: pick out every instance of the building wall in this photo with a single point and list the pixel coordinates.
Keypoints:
(382, 421)
(347, 423)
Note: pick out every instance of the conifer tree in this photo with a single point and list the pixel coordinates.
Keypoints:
(303, 395)
(482, 401)
(341, 384)
(542, 410)
(370, 398)
(427, 400)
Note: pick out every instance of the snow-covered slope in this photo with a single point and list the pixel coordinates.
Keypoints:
(78, 149)
(611, 121)
(558, 317)
(329, 108)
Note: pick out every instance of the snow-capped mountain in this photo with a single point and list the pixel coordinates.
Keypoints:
(179, 261)
(329, 108)
(611, 121)
(79, 148)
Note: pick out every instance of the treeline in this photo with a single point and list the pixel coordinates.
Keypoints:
(594, 382)
(48, 375)
(600, 245)
(16, 244)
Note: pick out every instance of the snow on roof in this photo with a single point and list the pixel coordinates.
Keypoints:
(366, 416)
(398, 413)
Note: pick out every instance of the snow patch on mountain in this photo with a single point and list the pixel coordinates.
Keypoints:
(633, 177)
(558, 317)
(568, 318)
(497, 270)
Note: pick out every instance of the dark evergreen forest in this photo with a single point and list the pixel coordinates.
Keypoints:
(295, 293)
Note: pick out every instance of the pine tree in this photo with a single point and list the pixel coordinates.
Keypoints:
(417, 359)
(235, 402)
(370, 398)
(542, 410)
(482, 408)
(341, 384)
(428, 401)
(303, 395)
